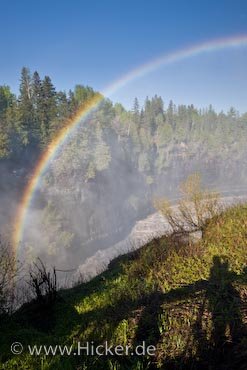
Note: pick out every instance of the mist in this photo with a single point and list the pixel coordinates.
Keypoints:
(105, 177)
(89, 203)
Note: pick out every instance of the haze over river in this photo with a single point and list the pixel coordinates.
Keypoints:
(153, 226)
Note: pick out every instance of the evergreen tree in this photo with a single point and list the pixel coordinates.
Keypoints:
(136, 111)
(170, 114)
(72, 103)
(6, 102)
(37, 104)
(62, 107)
(157, 105)
(25, 108)
(48, 110)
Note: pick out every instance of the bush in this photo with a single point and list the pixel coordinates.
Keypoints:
(43, 283)
(194, 209)
(9, 270)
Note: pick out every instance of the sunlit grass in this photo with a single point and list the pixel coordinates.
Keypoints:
(153, 294)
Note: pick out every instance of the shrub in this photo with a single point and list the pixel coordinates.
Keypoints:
(194, 209)
(43, 283)
(9, 270)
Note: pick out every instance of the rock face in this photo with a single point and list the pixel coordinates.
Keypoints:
(97, 199)
(102, 211)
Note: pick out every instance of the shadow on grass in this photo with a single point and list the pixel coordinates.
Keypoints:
(48, 324)
(221, 301)
(221, 349)
(224, 348)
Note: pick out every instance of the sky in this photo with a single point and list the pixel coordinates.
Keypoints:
(97, 42)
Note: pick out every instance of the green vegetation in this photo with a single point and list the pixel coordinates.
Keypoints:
(186, 299)
(29, 122)
(147, 135)
(193, 209)
(115, 155)
(9, 268)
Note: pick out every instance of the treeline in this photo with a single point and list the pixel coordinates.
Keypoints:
(114, 164)
(29, 120)
(150, 136)
(160, 135)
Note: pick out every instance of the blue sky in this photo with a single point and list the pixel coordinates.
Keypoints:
(97, 42)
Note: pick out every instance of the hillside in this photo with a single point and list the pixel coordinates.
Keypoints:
(190, 301)
(114, 163)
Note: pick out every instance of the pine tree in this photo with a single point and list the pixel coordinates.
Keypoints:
(136, 107)
(37, 103)
(48, 110)
(157, 105)
(6, 102)
(25, 108)
(136, 111)
(62, 107)
(170, 114)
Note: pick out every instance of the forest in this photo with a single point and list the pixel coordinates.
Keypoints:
(186, 298)
(117, 159)
(30, 120)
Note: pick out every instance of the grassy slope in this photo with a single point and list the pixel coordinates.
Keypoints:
(189, 301)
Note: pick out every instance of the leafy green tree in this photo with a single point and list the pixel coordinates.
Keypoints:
(4, 141)
(102, 155)
(83, 94)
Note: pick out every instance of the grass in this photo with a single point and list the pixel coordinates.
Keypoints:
(190, 301)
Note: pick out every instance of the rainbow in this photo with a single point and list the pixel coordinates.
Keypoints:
(61, 138)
